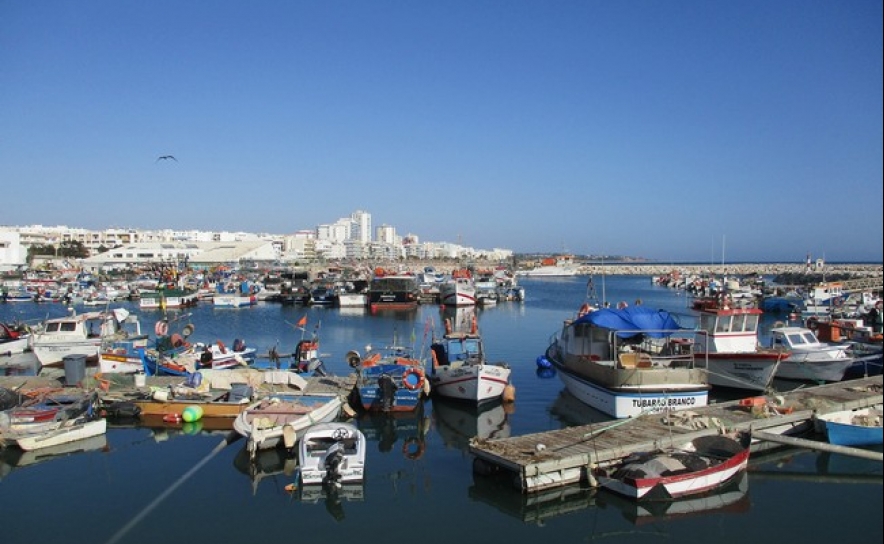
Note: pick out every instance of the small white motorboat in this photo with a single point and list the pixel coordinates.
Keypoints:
(332, 454)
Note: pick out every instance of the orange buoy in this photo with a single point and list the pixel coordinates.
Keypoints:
(509, 393)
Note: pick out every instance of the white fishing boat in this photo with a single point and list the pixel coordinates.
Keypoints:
(727, 346)
(809, 359)
(460, 368)
(627, 361)
(550, 267)
(81, 334)
(458, 290)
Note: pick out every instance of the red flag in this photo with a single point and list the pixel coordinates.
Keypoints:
(302, 321)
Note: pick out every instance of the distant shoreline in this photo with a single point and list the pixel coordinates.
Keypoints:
(738, 269)
(863, 270)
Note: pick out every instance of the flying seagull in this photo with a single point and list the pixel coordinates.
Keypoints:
(166, 157)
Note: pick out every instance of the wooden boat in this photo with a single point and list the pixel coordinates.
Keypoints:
(64, 433)
(332, 454)
(215, 404)
(701, 466)
(629, 361)
(44, 410)
(460, 367)
(861, 427)
(733, 497)
(122, 356)
(389, 380)
(278, 419)
(809, 359)
(727, 346)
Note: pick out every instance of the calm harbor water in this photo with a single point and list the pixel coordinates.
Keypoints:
(146, 485)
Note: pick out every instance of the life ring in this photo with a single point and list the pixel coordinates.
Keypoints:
(409, 372)
(161, 328)
(585, 309)
(221, 346)
(413, 448)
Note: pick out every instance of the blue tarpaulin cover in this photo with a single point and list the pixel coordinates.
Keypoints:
(637, 319)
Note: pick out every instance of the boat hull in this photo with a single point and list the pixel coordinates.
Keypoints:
(643, 480)
(632, 401)
(316, 444)
(265, 423)
(398, 395)
(852, 427)
(474, 383)
(804, 369)
(64, 434)
(752, 371)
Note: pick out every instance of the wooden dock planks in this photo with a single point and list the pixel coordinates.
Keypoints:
(560, 457)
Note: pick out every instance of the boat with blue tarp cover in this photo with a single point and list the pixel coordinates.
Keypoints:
(628, 361)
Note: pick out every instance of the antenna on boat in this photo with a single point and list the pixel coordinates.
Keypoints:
(604, 273)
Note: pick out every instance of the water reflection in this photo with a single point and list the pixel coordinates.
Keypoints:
(531, 508)
(732, 499)
(405, 431)
(12, 457)
(277, 469)
(458, 422)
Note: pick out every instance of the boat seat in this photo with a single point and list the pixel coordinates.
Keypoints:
(635, 360)
(628, 360)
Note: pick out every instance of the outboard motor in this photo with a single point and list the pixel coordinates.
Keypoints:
(206, 357)
(387, 389)
(317, 367)
(332, 462)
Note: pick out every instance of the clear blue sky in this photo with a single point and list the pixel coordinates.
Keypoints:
(701, 130)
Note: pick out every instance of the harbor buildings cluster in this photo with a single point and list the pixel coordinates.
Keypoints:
(348, 238)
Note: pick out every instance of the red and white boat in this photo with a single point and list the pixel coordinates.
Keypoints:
(14, 338)
(458, 290)
(461, 369)
(698, 467)
(727, 346)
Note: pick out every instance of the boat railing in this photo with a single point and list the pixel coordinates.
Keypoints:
(658, 348)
